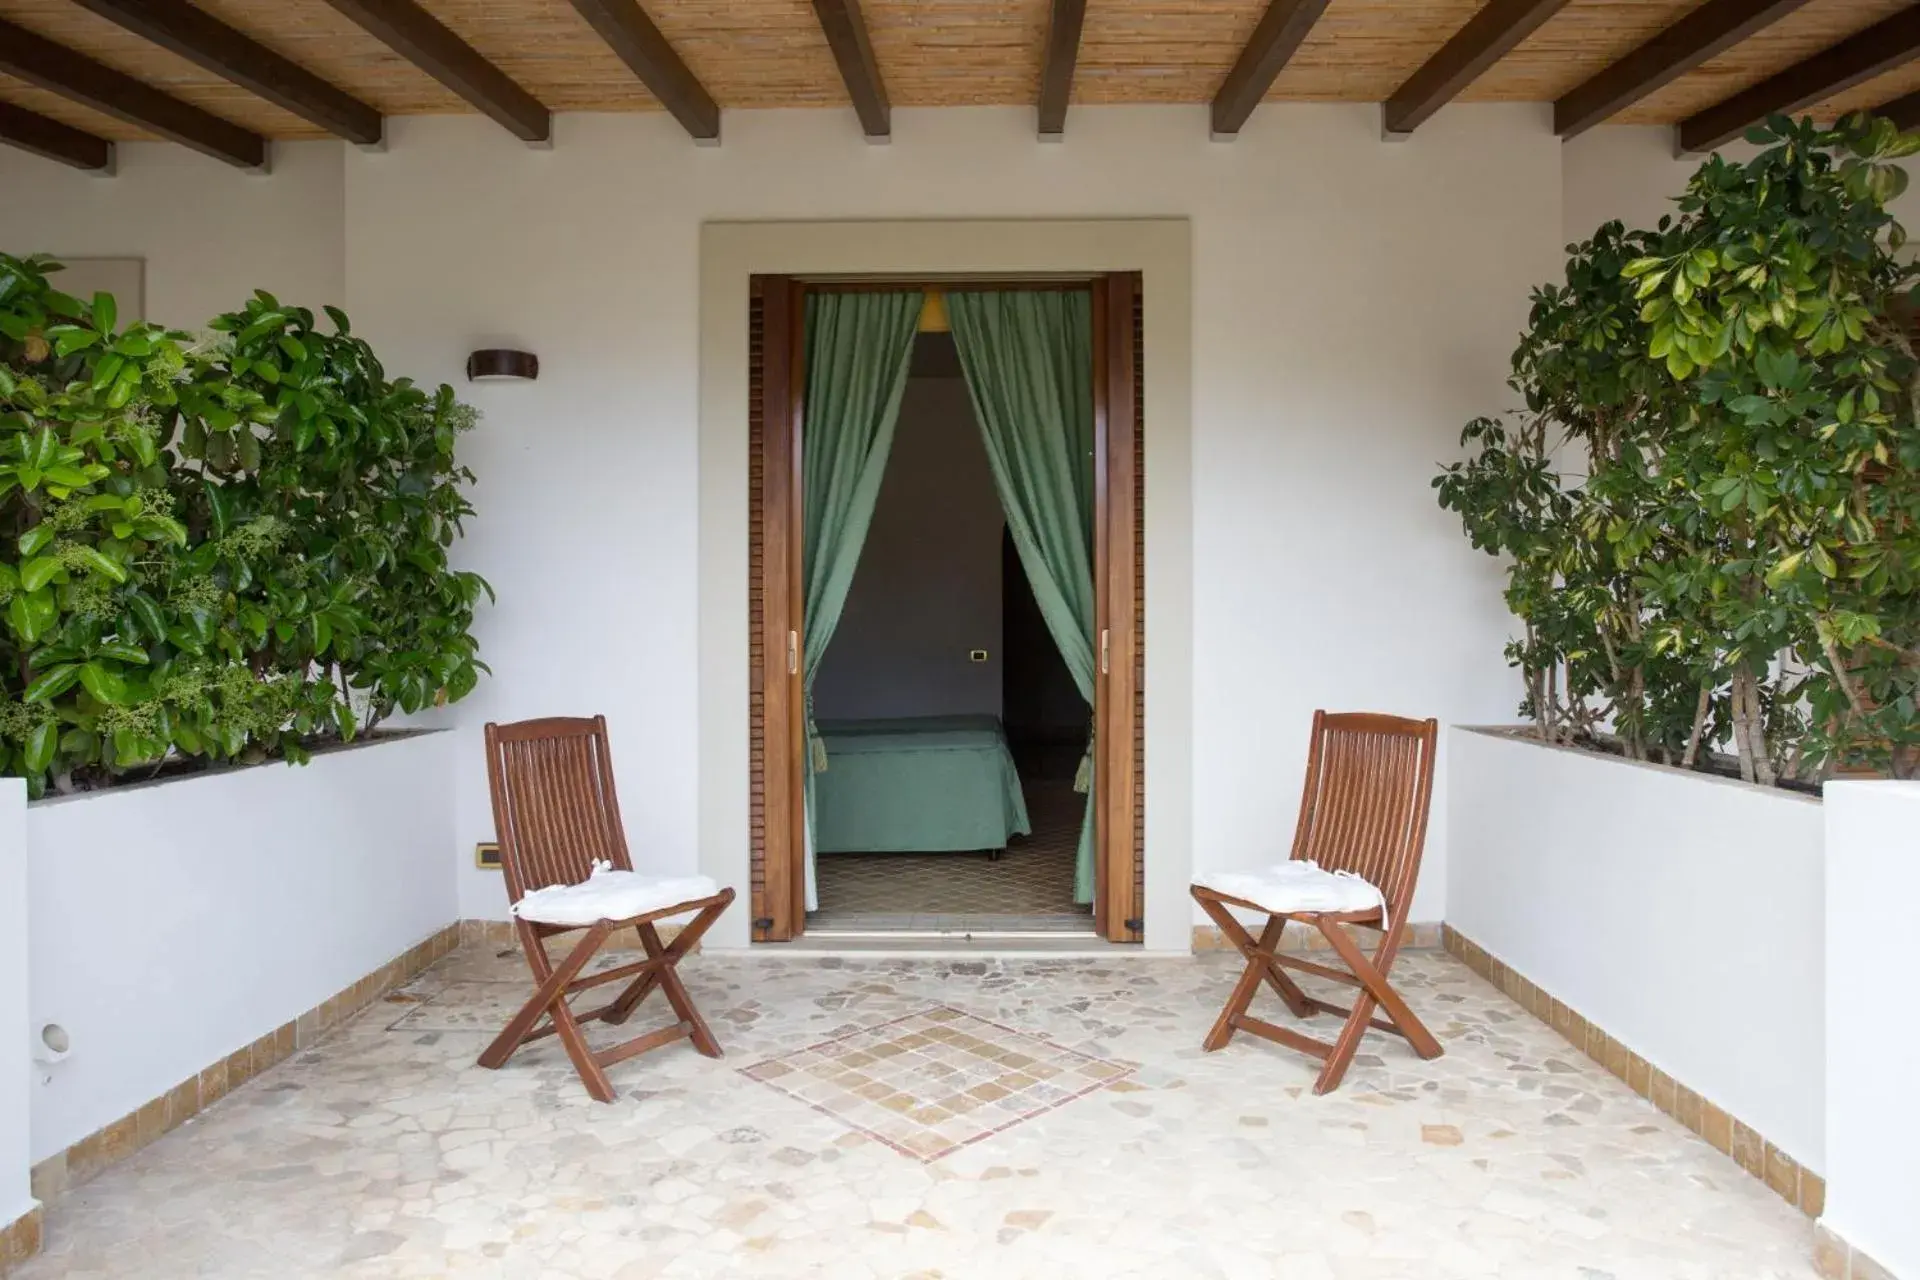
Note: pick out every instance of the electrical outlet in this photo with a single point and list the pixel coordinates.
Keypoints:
(977, 655)
(486, 856)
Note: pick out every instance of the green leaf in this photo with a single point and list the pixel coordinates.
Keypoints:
(35, 538)
(38, 572)
(104, 563)
(43, 740)
(132, 653)
(103, 683)
(52, 682)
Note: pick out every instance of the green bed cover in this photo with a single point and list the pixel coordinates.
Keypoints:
(931, 784)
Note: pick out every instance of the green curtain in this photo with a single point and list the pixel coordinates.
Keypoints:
(1028, 359)
(858, 349)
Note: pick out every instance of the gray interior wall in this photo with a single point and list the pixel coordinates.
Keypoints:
(928, 587)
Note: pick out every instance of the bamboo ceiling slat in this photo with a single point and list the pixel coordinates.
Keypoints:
(55, 107)
(753, 53)
(315, 35)
(1801, 34)
(1581, 39)
(1165, 51)
(771, 53)
(1873, 93)
(1363, 50)
(68, 24)
(958, 52)
(548, 49)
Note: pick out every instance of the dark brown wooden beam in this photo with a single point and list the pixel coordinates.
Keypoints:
(182, 29)
(1859, 58)
(1279, 32)
(1489, 36)
(60, 70)
(1056, 73)
(419, 37)
(846, 34)
(1904, 111)
(1704, 33)
(630, 33)
(31, 131)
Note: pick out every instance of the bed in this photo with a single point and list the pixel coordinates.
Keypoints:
(932, 784)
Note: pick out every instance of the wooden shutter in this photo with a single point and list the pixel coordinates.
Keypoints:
(776, 704)
(1119, 637)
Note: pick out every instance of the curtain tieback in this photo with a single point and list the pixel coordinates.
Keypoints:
(816, 745)
(1083, 776)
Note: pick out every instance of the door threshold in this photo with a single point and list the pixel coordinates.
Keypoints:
(983, 935)
(879, 946)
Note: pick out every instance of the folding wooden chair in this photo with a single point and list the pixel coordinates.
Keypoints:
(556, 817)
(1364, 811)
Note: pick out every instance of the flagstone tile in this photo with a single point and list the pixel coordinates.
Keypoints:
(944, 1117)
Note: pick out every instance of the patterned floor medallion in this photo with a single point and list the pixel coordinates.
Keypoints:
(934, 1081)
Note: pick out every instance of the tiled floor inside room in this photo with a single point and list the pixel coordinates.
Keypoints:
(931, 1118)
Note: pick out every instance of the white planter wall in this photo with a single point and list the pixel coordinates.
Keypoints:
(1873, 1040)
(1681, 914)
(175, 923)
(16, 1199)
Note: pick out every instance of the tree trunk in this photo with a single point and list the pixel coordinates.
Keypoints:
(1701, 711)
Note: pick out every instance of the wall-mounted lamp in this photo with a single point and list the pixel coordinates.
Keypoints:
(497, 364)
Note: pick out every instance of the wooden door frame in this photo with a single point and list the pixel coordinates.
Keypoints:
(776, 603)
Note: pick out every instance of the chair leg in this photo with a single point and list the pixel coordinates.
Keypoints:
(1283, 986)
(1375, 981)
(676, 990)
(552, 991)
(592, 1074)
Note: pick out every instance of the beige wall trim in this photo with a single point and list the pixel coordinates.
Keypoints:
(20, 1239)
(1161, 249)
(1419, 937)
(113, 1143)
(1835, 1259)
(1802, 1188)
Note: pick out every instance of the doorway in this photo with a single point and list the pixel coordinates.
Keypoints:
(883, 609)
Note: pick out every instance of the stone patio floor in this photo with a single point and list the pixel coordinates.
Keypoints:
(931, 1118)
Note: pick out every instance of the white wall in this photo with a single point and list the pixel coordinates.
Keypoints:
(927, 590)
(1873, 1041)
(209, 233)
(176, 922)
(1354, 302)
(1680, 914)
(16, 1161)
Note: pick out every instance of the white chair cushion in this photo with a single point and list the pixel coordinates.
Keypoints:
(611, 895)
(1298, 885)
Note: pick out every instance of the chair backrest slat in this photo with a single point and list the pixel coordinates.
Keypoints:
(1369, 787)
(554, 809)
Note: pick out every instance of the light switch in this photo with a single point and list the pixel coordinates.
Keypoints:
(977, 655)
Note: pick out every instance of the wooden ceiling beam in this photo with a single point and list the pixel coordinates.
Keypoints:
(31, 131)
(421, 39)
(200, 38)
(1489, 36)
(1904, 111)
(1704, 33)
(1860, 57)
(60, 70)
(846, 33)
(1273, 42)
(1056, 73)
(630, 33)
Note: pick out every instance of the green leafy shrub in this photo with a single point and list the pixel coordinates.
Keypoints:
(228, 550)
(1711, 505)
